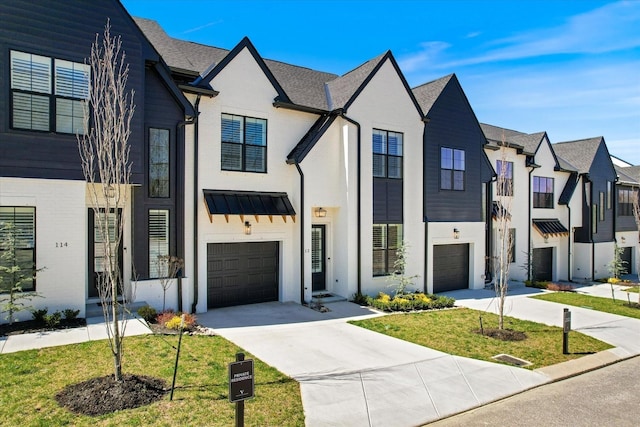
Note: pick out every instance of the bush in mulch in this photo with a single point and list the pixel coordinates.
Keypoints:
(410, 302)
(29, 326)
(103, 395)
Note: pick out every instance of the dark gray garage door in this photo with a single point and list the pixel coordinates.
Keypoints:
(241, 273)
(450, 267)
(543, 264)
(626, 256)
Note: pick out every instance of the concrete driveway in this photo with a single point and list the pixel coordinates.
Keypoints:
(350, 376)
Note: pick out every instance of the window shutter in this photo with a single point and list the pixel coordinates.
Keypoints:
(30, 72)
(255, 132)
(72, 79)
(158, 240)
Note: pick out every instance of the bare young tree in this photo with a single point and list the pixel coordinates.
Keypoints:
(104, 153)
(635, 203)
(504, 200)
(168, 267)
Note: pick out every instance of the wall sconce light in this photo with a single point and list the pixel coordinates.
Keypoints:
(321, 213)
(623, 239)
(111, 191)
(456, 233)
(546, 238)
(247, 228)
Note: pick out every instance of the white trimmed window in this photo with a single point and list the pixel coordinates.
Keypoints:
(158, 241)
(48, 94)
(18, 234)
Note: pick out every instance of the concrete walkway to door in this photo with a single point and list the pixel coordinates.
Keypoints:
(350, 376)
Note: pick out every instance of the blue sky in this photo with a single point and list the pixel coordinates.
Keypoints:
(570, 68)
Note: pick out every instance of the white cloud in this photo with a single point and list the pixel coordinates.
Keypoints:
(428, 56)
(202, 27)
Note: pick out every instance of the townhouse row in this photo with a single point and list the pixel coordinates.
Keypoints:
(276, 182)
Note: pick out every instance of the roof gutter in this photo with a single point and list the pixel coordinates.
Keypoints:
(296, 107)
(343, 114)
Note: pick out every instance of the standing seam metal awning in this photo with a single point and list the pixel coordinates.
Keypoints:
(550, 227)
(248, 203)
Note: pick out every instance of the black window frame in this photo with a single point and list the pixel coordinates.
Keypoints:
(382, 152)
(451, 171)
(167, 167)
(30, 248)
(543, 200)
(388, 252)
(52, 97)
(508, 180)
(625, 201)
(243, 144)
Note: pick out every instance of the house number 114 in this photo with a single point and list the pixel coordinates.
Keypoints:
(61, 244)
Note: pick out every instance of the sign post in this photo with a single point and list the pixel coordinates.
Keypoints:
(566, 323)
(241, 385)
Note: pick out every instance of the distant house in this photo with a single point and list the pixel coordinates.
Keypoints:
(595, 239)
(543, 204)
(627, 236)
(44, 83)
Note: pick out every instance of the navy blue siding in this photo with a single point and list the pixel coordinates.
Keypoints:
(453, 124)
(623, 223)
(63, 29)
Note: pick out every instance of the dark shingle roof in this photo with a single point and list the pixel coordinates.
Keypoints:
(342, 89)
(529, 142)
(427, 93)
(496, 135)
(579, 153)
(626, 175)
(633, 172)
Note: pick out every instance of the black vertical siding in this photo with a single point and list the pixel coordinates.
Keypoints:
(453, 124)
(161, 112)
(600, 173)
(62, 29)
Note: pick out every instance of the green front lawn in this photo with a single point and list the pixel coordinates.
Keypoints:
(596, 303)
(452, 331)
(30, 380)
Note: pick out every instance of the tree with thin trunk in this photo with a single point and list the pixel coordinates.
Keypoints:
(504, 200)
(168, 268)
(104, 153)
(635, 203)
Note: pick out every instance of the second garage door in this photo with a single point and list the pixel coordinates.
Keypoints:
(242, 273)
(450, 267)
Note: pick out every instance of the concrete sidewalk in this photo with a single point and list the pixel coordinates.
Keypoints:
(95, 330)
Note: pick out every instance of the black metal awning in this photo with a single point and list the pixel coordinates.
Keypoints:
(248, 203)
(550, 227)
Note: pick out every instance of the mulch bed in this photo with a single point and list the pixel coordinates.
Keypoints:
(30, 326)
(103, 395)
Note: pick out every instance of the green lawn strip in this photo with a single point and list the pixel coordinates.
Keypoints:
(31, 379)
(634, 289)
(452, 331)
(607, 305)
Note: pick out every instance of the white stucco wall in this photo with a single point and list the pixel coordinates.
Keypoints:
(385, 104)
(629, 239)
(61, 239)
(598, 255)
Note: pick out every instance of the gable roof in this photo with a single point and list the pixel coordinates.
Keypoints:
(496, 136)
(427, 93)
(627, 175)
(529, 142)
(633, 172)
(580, 153)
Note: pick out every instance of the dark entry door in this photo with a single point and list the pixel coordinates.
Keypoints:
(542, 264)
(626, 257)
(97, 248)
(318, 258)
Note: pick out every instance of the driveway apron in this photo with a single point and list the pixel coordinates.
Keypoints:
(352, 376)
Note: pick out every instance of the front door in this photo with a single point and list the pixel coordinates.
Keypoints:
(318, 258)
(97, 255)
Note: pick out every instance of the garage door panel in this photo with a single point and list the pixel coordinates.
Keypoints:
(450, 267)
(542, 264)
(242, 273)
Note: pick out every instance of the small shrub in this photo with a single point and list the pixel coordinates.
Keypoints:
(174, 323)
(164, 317)
(53, 320)
(359, 298)
(148, 313)
(70, 314)
(613, 280)
(39, 315)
